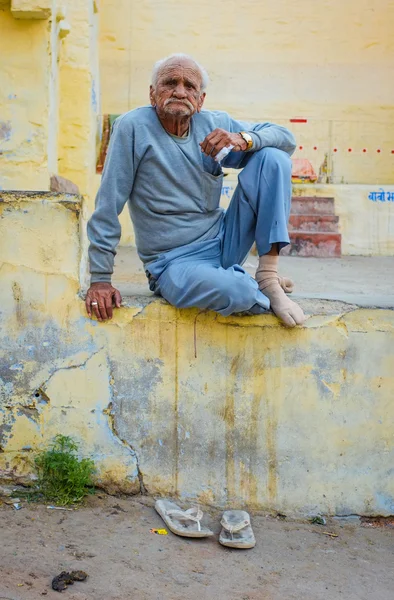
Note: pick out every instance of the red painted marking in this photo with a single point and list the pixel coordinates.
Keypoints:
(392, 152)
(378, 150)
(364, 149)
(298, 120)
(301, 147)
(315, 147)
(349, 149)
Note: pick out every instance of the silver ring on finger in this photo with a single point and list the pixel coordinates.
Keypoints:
(94, 303)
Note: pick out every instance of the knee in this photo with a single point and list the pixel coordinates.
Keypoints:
(275, 159)
(239, 293)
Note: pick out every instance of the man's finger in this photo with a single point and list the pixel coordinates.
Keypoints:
(108, 307)
(118, 299)
(208, 139)
(95, 308)
(87, 306)
(211, 145)
(214, 142)
(219, 145)
(102, 309)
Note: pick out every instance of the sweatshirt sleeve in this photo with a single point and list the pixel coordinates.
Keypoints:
(116, 185)
(265, 135)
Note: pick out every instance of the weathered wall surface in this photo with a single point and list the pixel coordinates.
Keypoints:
(229, 411)
(24, 102)
(49, 93)
(79, 97)
(328, 61)
(54, 376)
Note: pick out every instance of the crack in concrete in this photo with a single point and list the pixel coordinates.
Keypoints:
(69, 367)
(111, 422)
(38, 271)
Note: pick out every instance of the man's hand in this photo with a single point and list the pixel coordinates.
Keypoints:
(220, 138)
(100, 299)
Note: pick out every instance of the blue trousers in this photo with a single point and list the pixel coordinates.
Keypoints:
(208, 274)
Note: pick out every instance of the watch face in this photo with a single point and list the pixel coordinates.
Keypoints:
(248, 139)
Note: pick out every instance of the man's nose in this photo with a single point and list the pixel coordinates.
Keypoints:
(180, 91)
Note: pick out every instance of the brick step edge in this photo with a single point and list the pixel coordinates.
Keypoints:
(313, 223)
(317, 244)
(301, 205)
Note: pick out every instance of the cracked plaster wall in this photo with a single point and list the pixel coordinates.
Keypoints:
(233, 410)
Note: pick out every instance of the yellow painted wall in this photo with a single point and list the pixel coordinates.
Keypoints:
(49, 95)
(328, 61)
(235, 411)
(24, 102)
(79, 96)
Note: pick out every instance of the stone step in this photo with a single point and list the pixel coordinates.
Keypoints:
(312, 205)
(318, 244)
(305, 223)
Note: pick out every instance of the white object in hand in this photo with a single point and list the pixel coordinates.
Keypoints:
(223, 153)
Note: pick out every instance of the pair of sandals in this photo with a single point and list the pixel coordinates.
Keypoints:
(236, 528)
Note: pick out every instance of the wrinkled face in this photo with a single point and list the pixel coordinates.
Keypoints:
(178, 90)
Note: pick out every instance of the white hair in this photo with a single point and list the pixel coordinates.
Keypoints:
(162, 62)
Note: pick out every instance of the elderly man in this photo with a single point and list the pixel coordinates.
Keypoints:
(166, 161)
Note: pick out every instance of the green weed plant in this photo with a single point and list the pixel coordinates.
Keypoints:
(64, 478)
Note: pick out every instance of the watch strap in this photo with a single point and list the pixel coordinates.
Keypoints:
(248, 139)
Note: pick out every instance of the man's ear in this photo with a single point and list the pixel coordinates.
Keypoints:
(201, 102)
(152, 96)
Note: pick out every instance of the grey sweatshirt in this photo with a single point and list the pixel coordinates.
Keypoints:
(172, 189)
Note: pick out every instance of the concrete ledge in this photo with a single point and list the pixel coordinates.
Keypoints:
(31, 9)
(229, 411)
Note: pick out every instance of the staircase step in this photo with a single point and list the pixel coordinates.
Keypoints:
(311, 205)
(317, 244)
(305, 223)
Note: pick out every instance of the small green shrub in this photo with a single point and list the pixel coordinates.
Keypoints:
(63, 478)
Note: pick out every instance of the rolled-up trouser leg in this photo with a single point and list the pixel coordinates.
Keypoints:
(260, 207)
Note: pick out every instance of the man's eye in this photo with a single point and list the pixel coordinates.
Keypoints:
(190, 86)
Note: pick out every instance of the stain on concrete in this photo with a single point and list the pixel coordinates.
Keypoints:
(272, 459)
(18, 297)
(254, 458)
(30, 411)
(6, 429)
(5, 130)
(229, 419)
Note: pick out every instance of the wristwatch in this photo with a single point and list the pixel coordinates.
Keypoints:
(248, 139)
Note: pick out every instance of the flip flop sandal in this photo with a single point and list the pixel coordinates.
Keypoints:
(186, 523)
(236, 531)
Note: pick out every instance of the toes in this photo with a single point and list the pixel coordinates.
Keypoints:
(297, 314)
(287, 319)
(286, 284)
(293, 315)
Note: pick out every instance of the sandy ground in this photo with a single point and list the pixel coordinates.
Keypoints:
(110, 539)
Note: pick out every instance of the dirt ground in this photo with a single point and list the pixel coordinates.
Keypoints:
(110, 539)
